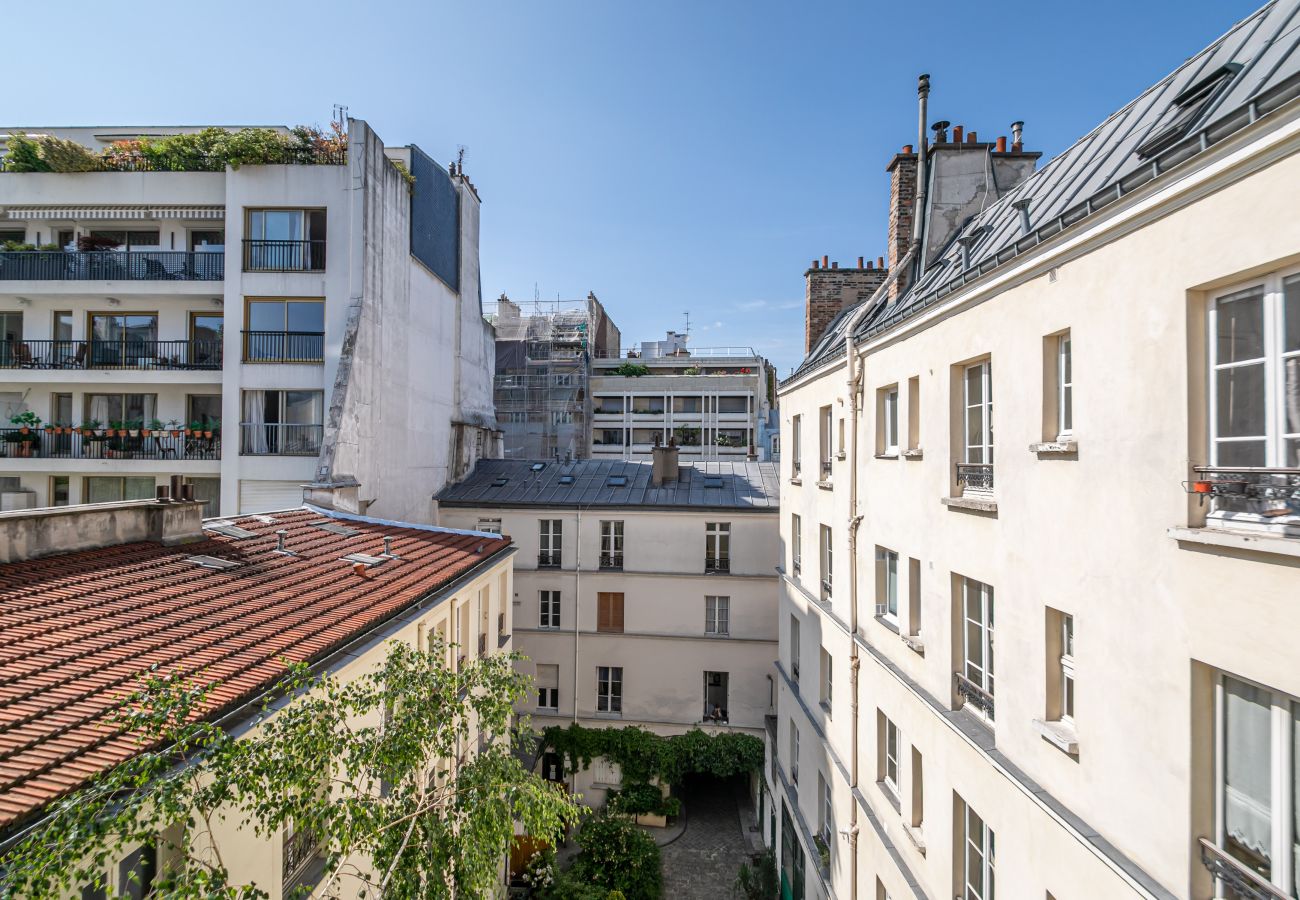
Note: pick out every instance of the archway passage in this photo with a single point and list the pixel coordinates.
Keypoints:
(702, 863)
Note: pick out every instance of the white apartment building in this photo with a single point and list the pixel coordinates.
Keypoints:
(317, 323)
(714, 402)
(644, 592)
(1074, 401)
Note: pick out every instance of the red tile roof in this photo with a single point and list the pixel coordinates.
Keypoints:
(78, 631)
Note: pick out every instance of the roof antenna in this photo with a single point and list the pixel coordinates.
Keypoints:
(460, 159)
(688, 323)
(340, 115)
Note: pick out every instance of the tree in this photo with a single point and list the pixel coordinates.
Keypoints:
(379, 770)
(618, 856)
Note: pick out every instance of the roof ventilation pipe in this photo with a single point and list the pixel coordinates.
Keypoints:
(1022, 206)
(1017, 136)
(279, 544)
(967, 241)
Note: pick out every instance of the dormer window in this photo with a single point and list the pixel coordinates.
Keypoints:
(1187, 109)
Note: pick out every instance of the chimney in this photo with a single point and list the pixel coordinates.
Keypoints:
(904, 179)
(827, 291)
(1017, 136)
(664, 464)
(33, 533)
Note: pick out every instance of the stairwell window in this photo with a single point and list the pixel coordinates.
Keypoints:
(796, 543)
(794, 647)
(887, 585)
(794, 752)
(717, 547)
(717, 616)
(887, 421)
(609, 689)
(826, 811)
(887, 761)
(550, 543)
(828, 680)
(1064, 387)
(549, 604)
(826, 561)
(824, 438)
(1067, 668)
(796, 446)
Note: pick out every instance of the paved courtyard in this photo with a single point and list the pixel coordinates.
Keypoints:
(702, 863)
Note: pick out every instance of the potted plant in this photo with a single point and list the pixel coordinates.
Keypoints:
(691, 370)
(823, 851)
(25, 421)
(133, 427)
(215, 426)
(154, 425)
(174, 427)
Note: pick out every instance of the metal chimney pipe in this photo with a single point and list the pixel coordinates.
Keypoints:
(1022, 206)
(279, 544)
(1017, 136)
(918, 212)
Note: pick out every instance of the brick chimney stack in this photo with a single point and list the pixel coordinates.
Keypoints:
(829, 290)
(902, 202)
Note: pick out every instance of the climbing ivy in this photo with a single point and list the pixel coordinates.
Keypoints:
(643, 755)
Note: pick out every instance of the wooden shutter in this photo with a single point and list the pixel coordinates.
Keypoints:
(609, 611)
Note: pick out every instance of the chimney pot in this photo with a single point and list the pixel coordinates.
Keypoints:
(940, 130)
(859, 262)
(162, 493)
(971, 138)
(835, 265)
(817, 264)
(1018, 133)
(1002, 144)
(957, 131)
(279, 544)
(907, 148)
(880, 262)
(826, 261)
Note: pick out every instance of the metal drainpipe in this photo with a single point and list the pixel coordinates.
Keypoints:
(577, 608)
(854, 391)
(918, 212)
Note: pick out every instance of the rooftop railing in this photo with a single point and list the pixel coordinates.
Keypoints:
(1262, 491)
(112, 265)
(68, 443)
(127, 353)
(682, 354)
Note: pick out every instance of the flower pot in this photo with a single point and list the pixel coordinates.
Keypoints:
(145, 432)
(24, 430)
(208, 435)
(133, 432)
(50, 429)
(1202, 487)
(99, 432)
(176, 432)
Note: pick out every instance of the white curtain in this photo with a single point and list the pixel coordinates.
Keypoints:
(255, 415)
(1248, 766)
(148, 408)
(1291, 391)
(99, 409)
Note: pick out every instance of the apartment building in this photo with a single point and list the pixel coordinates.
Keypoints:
(542, 385)
(713, 402)
(644, 591)
(217, 601)
(1126, 724)
(256, 329)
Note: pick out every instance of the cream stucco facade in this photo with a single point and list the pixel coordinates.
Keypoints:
(1087, 527)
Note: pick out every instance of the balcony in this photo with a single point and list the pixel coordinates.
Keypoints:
(304, 862)
(120, 354)
(1267, 495)
(284, 256)
(284, 346)
(112, 265)
(548, 559)
(68, 443)
(277, 439)
(611, 560)
(1240, 882)
(714, 564)
(972, 693)
(975, 477)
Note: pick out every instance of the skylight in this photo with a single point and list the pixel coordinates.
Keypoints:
(566, 479)
(537, 467)
(1187, 109)
(229, 530)
(364, 558)
(335, 528)
(500, 481)
(616, 481)
(212, 562)
(712, 481)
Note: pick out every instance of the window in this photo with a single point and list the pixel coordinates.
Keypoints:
(887, 584)
(839, 441)
(827, 680)
(978, 418)
(119, 339)
(130, 240)
(652, 406)
(913, 597)
(794, 752)
(918, 789)
(285, 423)
(106, 408)
(796, 542)
(609, 689)
(1067, 668)
(824, 438)
(686, 404)
(549, 605)
(826, 561)
(1257, 731)
(717, 615)
(715, 697)
(1064, 387)
(115, 488)
(887, 443)
(609, 612)
(794, 647)
(1255, 375)
(611, 545)
(548, 686)
(59, 488)
(979, 857)
(208, 492)
(286, 331)
(914, 413)
(207, 241)
(489, 526)
(717, 546)
(135, 873)
(889, 743)
(734, 405)
(796, 446)
(11, 327)
(285, 240)
(550, 540)
(206, 330)
(825, 811)
(977, 644)
(204, 409)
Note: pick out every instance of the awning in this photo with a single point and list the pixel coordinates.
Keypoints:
(82, 213)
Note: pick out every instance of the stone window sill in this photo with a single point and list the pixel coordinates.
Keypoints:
(914, 642)
(826, 485)
(1238, 540)
(841, 455)
(889, 623)
(891, 796)
(1063, 447)
(795, 479)
(826, 707)
(975, 504)
(917, 837)
(913, 453)
(1059, 734)
(886, 456)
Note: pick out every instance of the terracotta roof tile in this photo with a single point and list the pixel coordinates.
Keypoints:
(79, 632)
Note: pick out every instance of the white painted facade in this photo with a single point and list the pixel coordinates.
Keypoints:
(394, 392)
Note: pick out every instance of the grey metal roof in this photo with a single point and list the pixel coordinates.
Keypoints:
(743, 485)
(1105, 164)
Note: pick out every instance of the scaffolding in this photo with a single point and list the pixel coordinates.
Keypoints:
(543, 366)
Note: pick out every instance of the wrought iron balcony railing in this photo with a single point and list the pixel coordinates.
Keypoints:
(548, 559)
(126, 353)
(611, 560)
(67, 443)
(284, 346)
(277, 439)
(972, 693)
(112, 265)
(300, 851)
(826, 589)
(826, 470)
(717, 564)
(975, 476)
(1241, 882)
(284, 256)
(1268, 492)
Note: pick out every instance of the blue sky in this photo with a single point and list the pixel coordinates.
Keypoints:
(667, 155)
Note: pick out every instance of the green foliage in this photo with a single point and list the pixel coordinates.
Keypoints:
(26, 419)
(16, 246)
(618, 856)
(63, 155)
(636, 799)
(433, 822)
(23, 155)
(405, 173)
(632, 370)
(761, 881)
(643, 755)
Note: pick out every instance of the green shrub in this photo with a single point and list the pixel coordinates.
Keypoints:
(618, 856)
(63, 155)
(636, 799)
(759, 882)
(23, 155)
(632, 370)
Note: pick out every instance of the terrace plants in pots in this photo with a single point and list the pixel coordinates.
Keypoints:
(133, 427)
(174, 427)
(154, 425)
(25, 421)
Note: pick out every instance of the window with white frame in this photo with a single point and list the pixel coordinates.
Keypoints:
(550, 542)
(794, 752)
(609, 689)
(827, 681)
(1067, 668)
(887, 584)
(977, 642)
(794, 647)
(889, 421)
(826, 561)
(717, 615)
(979, 858)
(1064, 387)
(548, 686)
(824, 438)
(717, 546)
(796, 446)
(889, 774)
(826, 810)
(978, 419)
(1257, 793)
(548, 603)
(1255, 374)
(611, 545)
(796, 542)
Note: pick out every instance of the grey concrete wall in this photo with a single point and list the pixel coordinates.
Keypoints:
(29, 534)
